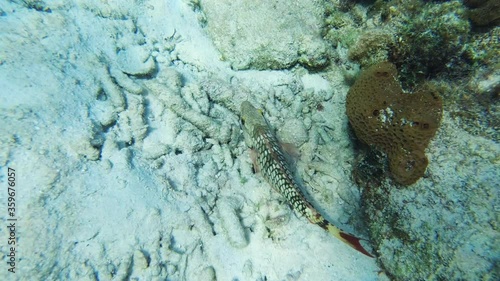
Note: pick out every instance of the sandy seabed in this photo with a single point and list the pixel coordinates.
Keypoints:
(121, 122)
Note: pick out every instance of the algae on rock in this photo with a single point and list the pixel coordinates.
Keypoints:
(443, 228)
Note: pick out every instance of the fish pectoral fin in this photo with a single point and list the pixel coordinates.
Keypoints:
(291, 153)
(253, 157)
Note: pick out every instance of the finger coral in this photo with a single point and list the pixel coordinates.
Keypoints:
(395, 122)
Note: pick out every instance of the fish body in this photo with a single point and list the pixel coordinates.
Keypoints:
(274, 167)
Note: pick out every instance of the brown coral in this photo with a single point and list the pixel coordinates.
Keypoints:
(397, 123)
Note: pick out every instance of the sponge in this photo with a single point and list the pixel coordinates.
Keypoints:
(398, 123)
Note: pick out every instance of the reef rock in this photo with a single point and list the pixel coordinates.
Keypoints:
(267, 35)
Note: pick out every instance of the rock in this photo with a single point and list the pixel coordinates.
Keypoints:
(270, 35)
(136, 60)
(293, 132)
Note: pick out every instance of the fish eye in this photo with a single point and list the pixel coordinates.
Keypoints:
(242, 120)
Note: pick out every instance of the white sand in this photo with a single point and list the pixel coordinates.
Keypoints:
(147, 177)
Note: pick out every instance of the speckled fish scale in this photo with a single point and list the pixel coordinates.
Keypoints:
(275, 169)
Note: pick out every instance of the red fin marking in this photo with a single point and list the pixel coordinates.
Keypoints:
(354, 242)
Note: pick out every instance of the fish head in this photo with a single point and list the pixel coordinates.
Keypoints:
(251, 119)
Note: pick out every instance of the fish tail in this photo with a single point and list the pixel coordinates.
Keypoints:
(347, 238)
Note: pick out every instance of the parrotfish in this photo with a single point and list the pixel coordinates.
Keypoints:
(275, 168)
